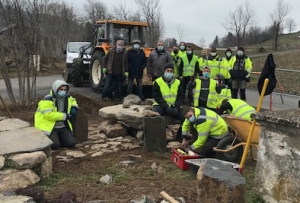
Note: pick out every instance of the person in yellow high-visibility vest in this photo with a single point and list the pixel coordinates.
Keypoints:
(205, 91)
(225, 92)
(213, 62)
(211, 128)
(225, 67)
(168, 95)
(237, 107)
(175, 60)
(182, 49)
(202, 60)
(188, 65)
(54, 113)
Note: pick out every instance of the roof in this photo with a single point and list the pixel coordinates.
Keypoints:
(121, 22)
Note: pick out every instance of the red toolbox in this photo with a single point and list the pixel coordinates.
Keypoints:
(179, 159)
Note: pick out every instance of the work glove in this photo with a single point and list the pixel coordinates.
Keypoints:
(126, 74)
(104, 70)
(73, 111)
(174, 112)
(169, 111)
(68, 117)
(180, 77)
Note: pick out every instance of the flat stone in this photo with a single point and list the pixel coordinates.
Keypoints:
(12, 124)
(114, 143)
(174, 128)
(97, 137)
(46, 168)
(27, 160)
(2, 162)
(12, 179)
(93, 132)
(169, 135)
(64, 158)
(115, 139)
(106, 179)
(23, 140)
(149, 102)
(97, 154)
(92, 128)
(88, 142)
(16, 199)
(75, 154)
(99, 141)
(126, 140)
(173, 144)
(161, 170)
(127, 163)
(127, 145)
(112, 130)
(99, 146)
(135, 158)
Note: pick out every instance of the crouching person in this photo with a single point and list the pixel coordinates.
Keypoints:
(211, 128)
(54, 113)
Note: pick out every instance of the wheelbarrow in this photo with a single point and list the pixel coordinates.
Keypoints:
(231, 147)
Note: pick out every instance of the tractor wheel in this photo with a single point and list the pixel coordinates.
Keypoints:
(77, 77)
(67, 76)
(234, 155)
(96, 76)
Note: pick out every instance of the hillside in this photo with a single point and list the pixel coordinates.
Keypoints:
(289, 80)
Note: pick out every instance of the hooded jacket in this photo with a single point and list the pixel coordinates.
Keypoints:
(52, 111)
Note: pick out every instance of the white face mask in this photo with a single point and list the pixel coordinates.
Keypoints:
(213, 53)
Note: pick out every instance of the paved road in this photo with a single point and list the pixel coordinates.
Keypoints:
(44, 85)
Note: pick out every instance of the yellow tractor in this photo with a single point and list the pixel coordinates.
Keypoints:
(106, 34)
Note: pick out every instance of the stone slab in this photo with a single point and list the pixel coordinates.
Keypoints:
(23, 140)
(12, 124)
(155, 134)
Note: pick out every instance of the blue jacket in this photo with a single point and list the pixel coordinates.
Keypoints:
(136, 63)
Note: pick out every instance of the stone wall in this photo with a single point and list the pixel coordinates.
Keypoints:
(25, 154)
(278, 169)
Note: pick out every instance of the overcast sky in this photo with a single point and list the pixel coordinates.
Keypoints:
(202, 18)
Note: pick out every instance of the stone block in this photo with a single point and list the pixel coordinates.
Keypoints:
(80, 124)
(155, 134)
(218, 182)
(132, 99)
(12, 124)
(2, 162)
(37, 194)
(23, 140)
(112, 130)
(46, 168)
(26, 160)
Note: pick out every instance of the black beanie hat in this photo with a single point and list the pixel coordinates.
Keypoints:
(241, 48)
(168, 65)
(228, 49)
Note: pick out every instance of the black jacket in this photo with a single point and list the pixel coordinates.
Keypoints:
(136, 63)
(268, 71)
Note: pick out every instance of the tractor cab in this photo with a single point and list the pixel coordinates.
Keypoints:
(108, 32)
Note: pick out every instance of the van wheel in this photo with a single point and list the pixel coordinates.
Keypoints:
(77, 77)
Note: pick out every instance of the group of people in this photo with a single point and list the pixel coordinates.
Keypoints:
(208, 81)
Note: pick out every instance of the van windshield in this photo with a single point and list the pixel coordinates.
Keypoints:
(73, 47)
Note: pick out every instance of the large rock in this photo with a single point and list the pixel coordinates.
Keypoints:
(219, 182)
(12, 179)
(65, 198)
(2, 162)
(27, 160)
(277, 168)
(15, 199)
(37, 194)
(46, 168)
(112, 130)
(12, 124)
(23, 140)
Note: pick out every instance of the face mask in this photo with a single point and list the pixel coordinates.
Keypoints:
(168, 75)
(61, 93)
(206, 74)
(189, 52)
(192, 119)
(228, 54)
(213, 53)
(136, 46)
(119, 48)
(240, 53)
(160, 48)
(182, 47)
(175, 51)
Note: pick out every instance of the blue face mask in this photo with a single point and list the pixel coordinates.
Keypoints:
(192, 119)
(168, 75)
(206, 74)
(61, 93)
(240, 53)
(136, 46)
(119, 48)
(182, 47)
(160, 48)
(189, 52)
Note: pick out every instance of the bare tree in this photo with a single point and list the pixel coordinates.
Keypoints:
(22, 41)
(96, 10)
(181, 31)
(202, 42)
(290, 25)
(239, 21)
(121, 12)
(151, 12)
(278, 17)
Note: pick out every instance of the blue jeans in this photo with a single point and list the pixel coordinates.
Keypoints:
(139, 87)
(112, 80)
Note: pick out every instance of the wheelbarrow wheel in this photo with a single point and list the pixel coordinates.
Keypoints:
(233, 155)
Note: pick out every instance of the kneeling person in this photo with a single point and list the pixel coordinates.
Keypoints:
(211, 128)
(168, 94)
(54, 113)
